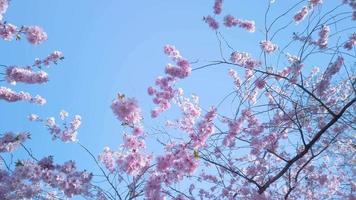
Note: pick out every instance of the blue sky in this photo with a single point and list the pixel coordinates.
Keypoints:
(115, 46)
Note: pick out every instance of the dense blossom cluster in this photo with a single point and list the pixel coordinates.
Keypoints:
(7, 31)
(230, 21)
(165, 91)
(131, 158)
(126, 110)
(10, 141)
(218, 6)
(132, 161)
(213, 24)
(35, 34)
(12, 96)
(25, 75)
(323, 37)
(177, 162)
(333, 69)
(351, 42)
(300, 15)
(267, 46)
(29, 178)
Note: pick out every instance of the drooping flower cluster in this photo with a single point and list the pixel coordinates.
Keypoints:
(305, 10)
(10, 141)
(213, 24)
(126, 110)
(3, 7)
(12, 96)
(25, 75)
(69, 131)
(230, 21)
(218, 6)
(166, 92)
(267, 46)
(332, 69)
(301, 14)
(323, 37)
(34, 34)
(131, 158)
(28, 178)
(351, 42)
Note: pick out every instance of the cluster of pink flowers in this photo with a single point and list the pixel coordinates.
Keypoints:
(267, 46)
(306, 9)
(134, 160)
(332, 69)
(204, 129)
(28, 178)
(52, 58)
(183, 68)
(244, 59)
(351, 42)
(10, 141)
(301, 14)
(3, 7)
(213, 24)
(131, 159)
(190, 110)
(7, 31)
(218, 6)
(260, 83)
(177, 162)
(126, 110)
(25, 75)
(35, 34)
(69, 131)
(230, 21)
(166, 91)
(12, 96)
(323, 37)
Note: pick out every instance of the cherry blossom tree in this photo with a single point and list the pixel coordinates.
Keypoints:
(289, 132)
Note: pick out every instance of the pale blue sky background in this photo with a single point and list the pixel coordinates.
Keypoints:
(115, 46)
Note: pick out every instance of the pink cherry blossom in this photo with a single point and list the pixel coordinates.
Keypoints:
(10, 141)
(323, 37)
(230, 21)
(126, 110)
(25, 75)
(351, 42)
(213, 24)
(7, 31)
(267, 46)
(12, 96)
(218, 6)
(301, 14)
(35, 35)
